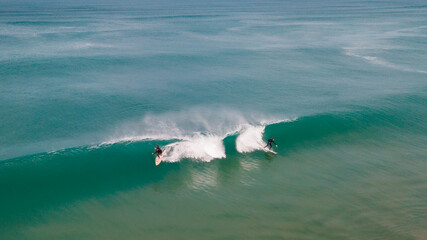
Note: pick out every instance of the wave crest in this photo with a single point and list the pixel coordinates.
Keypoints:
(199, 133)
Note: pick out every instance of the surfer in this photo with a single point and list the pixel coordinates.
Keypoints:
(269, 143)
(158, 151)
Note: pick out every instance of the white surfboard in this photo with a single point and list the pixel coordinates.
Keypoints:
(269, 150)
(158, 160)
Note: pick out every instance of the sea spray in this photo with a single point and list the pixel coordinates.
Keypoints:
(203, 148)
(250, 139)
(199, 137)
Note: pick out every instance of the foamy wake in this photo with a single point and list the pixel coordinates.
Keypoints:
(250, 139)
(203, 148)
(199, 137)
(208, 147)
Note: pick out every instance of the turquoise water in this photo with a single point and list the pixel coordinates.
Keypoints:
(88, 89)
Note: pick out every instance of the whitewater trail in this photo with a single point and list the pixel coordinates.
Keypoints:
(250, 139)
(208, 147)
(203, 148)
(200, 137)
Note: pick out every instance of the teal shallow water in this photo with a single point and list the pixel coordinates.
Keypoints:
(87, 91)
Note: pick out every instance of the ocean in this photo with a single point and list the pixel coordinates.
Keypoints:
(88, 88)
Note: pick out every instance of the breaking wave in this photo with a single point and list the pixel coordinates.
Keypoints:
(198, 133)
(203, 148)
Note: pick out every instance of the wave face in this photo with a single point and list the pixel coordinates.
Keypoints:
(243, 137)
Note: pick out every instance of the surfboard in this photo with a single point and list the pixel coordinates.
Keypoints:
(269, 151)
(158, 160)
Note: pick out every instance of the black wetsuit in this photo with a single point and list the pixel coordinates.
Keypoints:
(159, 151)
(269, 145)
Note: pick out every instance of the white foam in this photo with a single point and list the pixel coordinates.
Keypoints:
(375, 60)
(203, 148)
(199, 132)
(271, 122)
(139, 138)
(185, 124)
(250, 139)
(86, 45)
